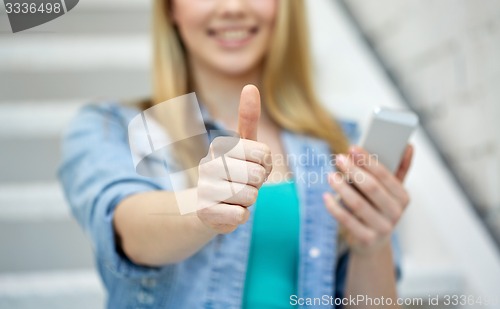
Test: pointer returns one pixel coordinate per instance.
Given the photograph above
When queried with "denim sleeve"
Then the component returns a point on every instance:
(351, 130)
(343, 262)
(96, 173)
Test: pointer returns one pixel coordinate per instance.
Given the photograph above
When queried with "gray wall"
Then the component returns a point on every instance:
(445, 56)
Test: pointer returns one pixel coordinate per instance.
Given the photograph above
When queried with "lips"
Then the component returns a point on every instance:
(234, 36)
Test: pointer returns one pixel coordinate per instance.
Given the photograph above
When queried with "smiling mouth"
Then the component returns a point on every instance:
(233, 34)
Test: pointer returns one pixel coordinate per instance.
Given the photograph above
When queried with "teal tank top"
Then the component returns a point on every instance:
(272, 270)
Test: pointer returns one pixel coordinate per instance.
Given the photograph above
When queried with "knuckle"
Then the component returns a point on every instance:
(208, 167)
(250, 195)
(242, 197)
(338, 216)
(357, 205)
(262, 148)
(265, 149)
(344, 219)
(208, 186)
(379, 171)
(206, 215)
(207, 193)
(261, 170)
(260, 152)
(253, 174)
(386, 228)
(371, 187)
(397, 214)
(226, 228)
(202, 187)
(237, 216)
(368, 238)
(241, 216)
(256, 174)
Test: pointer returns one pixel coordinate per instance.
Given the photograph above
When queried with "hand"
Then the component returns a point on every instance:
(223, 200)
(375, 201)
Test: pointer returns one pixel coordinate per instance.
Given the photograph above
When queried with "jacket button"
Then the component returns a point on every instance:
(314, 252)
(148, 282)
(145, 298)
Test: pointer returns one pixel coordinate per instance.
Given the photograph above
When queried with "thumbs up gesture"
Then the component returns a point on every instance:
(249, 113)
(230, 184)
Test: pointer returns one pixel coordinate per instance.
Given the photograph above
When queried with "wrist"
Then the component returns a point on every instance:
(201, 228)
(373, 253)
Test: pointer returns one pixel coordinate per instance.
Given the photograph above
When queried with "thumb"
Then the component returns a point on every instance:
(249, 112)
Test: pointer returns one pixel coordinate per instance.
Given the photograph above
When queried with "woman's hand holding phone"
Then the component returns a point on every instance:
(243, 172)
(374, 198)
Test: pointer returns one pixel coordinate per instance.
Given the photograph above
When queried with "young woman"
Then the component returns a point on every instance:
(273, 244)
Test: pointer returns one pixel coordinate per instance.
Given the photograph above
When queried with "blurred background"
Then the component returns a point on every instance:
(437, 57)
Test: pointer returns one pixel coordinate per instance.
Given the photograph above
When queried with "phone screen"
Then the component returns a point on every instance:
(388, 135)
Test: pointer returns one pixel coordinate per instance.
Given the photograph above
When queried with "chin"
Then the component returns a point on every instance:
(236, 67)
(236, 71)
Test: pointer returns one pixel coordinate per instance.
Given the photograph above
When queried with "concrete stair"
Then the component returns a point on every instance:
(98, 50)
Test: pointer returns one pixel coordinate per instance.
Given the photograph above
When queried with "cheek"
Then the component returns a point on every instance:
(189, 21)
(265, 10)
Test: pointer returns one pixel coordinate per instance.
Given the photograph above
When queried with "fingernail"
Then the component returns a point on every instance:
(358, 159)
(353, 149)
(325, 197)
(341, 159)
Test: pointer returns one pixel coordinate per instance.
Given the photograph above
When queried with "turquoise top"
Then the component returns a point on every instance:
(272, 270)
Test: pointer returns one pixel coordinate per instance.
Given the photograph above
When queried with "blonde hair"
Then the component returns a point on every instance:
(288, 93)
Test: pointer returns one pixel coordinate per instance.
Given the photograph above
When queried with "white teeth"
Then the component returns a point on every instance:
(234, 35)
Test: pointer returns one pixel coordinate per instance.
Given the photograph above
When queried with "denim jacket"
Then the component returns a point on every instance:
(97, 173)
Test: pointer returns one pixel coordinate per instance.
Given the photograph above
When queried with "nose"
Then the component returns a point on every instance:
(232, 8)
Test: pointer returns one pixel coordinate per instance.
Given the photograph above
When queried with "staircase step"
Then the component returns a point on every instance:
(37, 231)
(29, 134)
(77, 289)
(69, 67)
(29, 159)
(73, 84)
(33, 202)
(41, 119)
(65, 53)
(43, 245)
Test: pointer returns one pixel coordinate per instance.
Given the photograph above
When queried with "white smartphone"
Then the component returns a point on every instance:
(388, 134)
